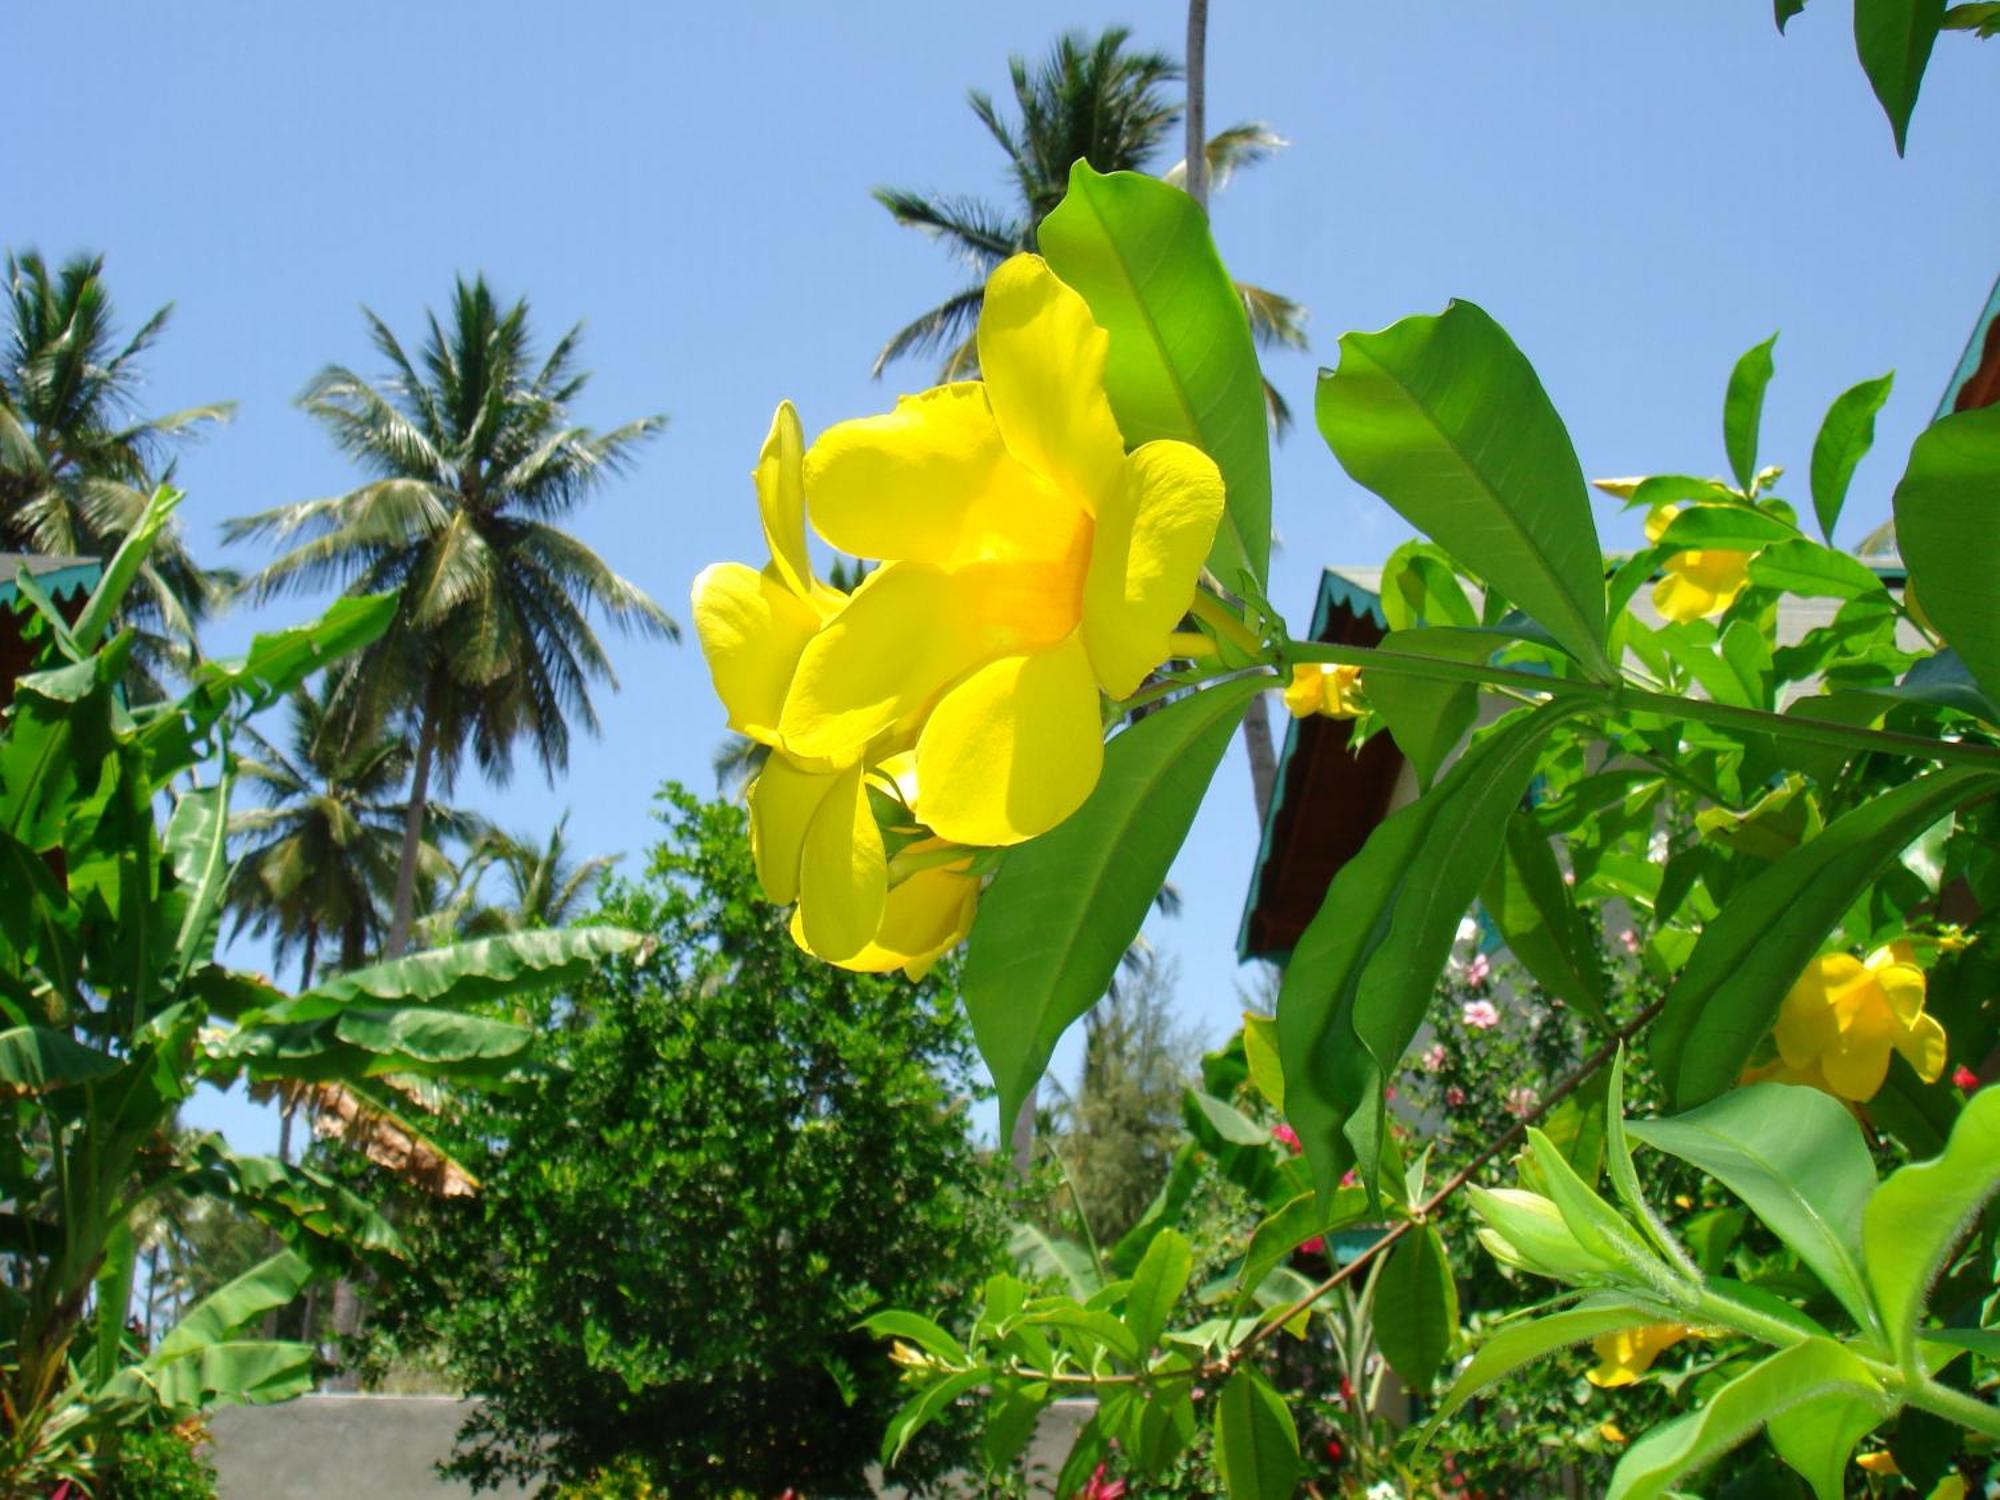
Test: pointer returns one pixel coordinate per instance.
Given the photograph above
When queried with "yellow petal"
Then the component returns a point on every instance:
(1012, 750)
(1042, 358)
(1304, 693)
(783, 800)
(752, 630)
(1902, 987)
(1807, 1022)
(1658, 519)
(1697, 584)
(931, 481)
(925, 917)
(1855, 1072)
(781, 501)
(843, 871)
(1923, 1044)
(907, 632)
(1153, 534)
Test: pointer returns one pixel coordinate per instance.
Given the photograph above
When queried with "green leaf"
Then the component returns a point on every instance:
(922, 1409)
(1728, 994)
(1811, 571)
(1256, 1445)
(1981, 17)
(1845, 436)
(1182, 362)
(1228, 1121)
(1735, 527)
(1984, 1342)
(1813, 1368)
(1416, 1308)
(244, 1372)
(1743, 410)
(1894, 38)
(1183, 1177)
(1420, 588)
(1948, 530)
(1514, 1345)
(37, 1059)
(1011, 1419)
(1625, 1177)
(1797, 1158)
(280, 660)
(1527, 896)
(1047, 1258)
(1786, 9)
(197, 842)
(914, 1328)
(1260, 1050)
(1445, 419)
(432, 1036)
(233, 1306)
(1363, 972)
(104, 602)
(1428, 719)
(1817, 1437)
(473, 973)
(1055, 922)
(1922, 1211)
(1157, 1286)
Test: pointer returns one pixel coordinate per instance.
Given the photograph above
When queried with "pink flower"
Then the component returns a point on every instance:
(1630, 939)
(1454, 1096)
(1314, 1246)
(1521, 1102)
(1480, 1015)
(1287, 1137)
(1101, 1487)
(1963, 1077)
(1350, 1178)
(1433, 1059)
(1478, 971)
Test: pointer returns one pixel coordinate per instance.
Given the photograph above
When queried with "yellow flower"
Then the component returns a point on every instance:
(1320, 687)
(754, 624)
(1628, 1353)
(817, 841)
(1612, 1433)
(1879, 1462)
(1843, 1017)
(1030, 563)
(1698, 583)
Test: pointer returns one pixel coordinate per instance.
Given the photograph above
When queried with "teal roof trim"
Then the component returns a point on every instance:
(59, 583)
(1975, 347)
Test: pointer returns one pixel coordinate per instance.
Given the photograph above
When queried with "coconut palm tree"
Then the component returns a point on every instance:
(546, 884)
(77, 460)
(473, 459)
(1088, 100)
(317, 867)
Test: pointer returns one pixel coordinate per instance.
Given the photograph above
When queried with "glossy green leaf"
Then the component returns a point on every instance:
(1818, 1437)
(1811, 571)
(472, 973)
(1362, 973)
(1011, 1418)
(1058, 917)
(280, 660)
(1445, 419)
(1157, 1285)
(36, 1059)
(924, 1408)
(197, 843)
(1256, 1445)
(914, 1328)
(1655, 1463)
(234, 1305)
(1514, 1345)
(1625, 1176)
(1728, 993)
(243, 1372)
(1948, 531)
(1260, 1051)
(1894, 38)
(1743, 410)
(1532, 904)
(1786, 9)
(423, 1034)
(1923, 1210)
(1416, 1308)
(1733, 527)
(1182, 364)
(1845, 436)
(1428, 719)
(1797, 1158)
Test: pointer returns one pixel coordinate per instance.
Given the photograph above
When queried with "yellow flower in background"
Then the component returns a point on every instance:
(817, 841)
(1320, 687)
(1843, 1017)
(1879, 1462)
(1628, 1353)
(1611, 1432)
(1697, 583)
(753, 624)
(1030, 564)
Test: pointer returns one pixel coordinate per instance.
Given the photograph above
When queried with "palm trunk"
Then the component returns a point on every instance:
(1262, 750)
(404, 911)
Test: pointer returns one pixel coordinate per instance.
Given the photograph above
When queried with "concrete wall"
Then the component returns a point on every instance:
(386, 1448)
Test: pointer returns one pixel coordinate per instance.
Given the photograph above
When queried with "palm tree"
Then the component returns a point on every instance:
(473, 458)
(1088, 100)
(546, 884)
(77, 461)
(318, 863)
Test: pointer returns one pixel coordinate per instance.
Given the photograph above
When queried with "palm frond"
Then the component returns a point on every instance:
(947, 323)
(1229, 152)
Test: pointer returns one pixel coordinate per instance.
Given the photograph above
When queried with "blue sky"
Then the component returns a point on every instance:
(1637, 193)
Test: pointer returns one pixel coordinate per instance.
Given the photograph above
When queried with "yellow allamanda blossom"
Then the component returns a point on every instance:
(1697, 583)
(1626, 1354)
(1030, 565)
(1319, 687)
(1843, 1017)
(813, 831)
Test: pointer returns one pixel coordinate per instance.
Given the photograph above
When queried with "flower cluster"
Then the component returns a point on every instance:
(1844, 1016)
(1320, 687)
(1029, 567)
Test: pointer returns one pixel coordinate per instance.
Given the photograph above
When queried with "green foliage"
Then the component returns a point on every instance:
(739, 1154)
(162, 1463)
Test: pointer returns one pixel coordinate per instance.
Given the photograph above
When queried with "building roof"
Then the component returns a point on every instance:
(60, 577)
(1976, 381)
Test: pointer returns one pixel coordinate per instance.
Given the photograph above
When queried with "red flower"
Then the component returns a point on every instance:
(1334, 1452)
(1314, 1246)
(1964, 1078)
(1101, 1488)
(1287, 1137)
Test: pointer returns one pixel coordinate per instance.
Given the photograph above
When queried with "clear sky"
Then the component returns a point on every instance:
(1637, 192)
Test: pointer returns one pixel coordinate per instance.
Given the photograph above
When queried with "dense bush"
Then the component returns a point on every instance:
(162, 1463)
(737, 1154)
